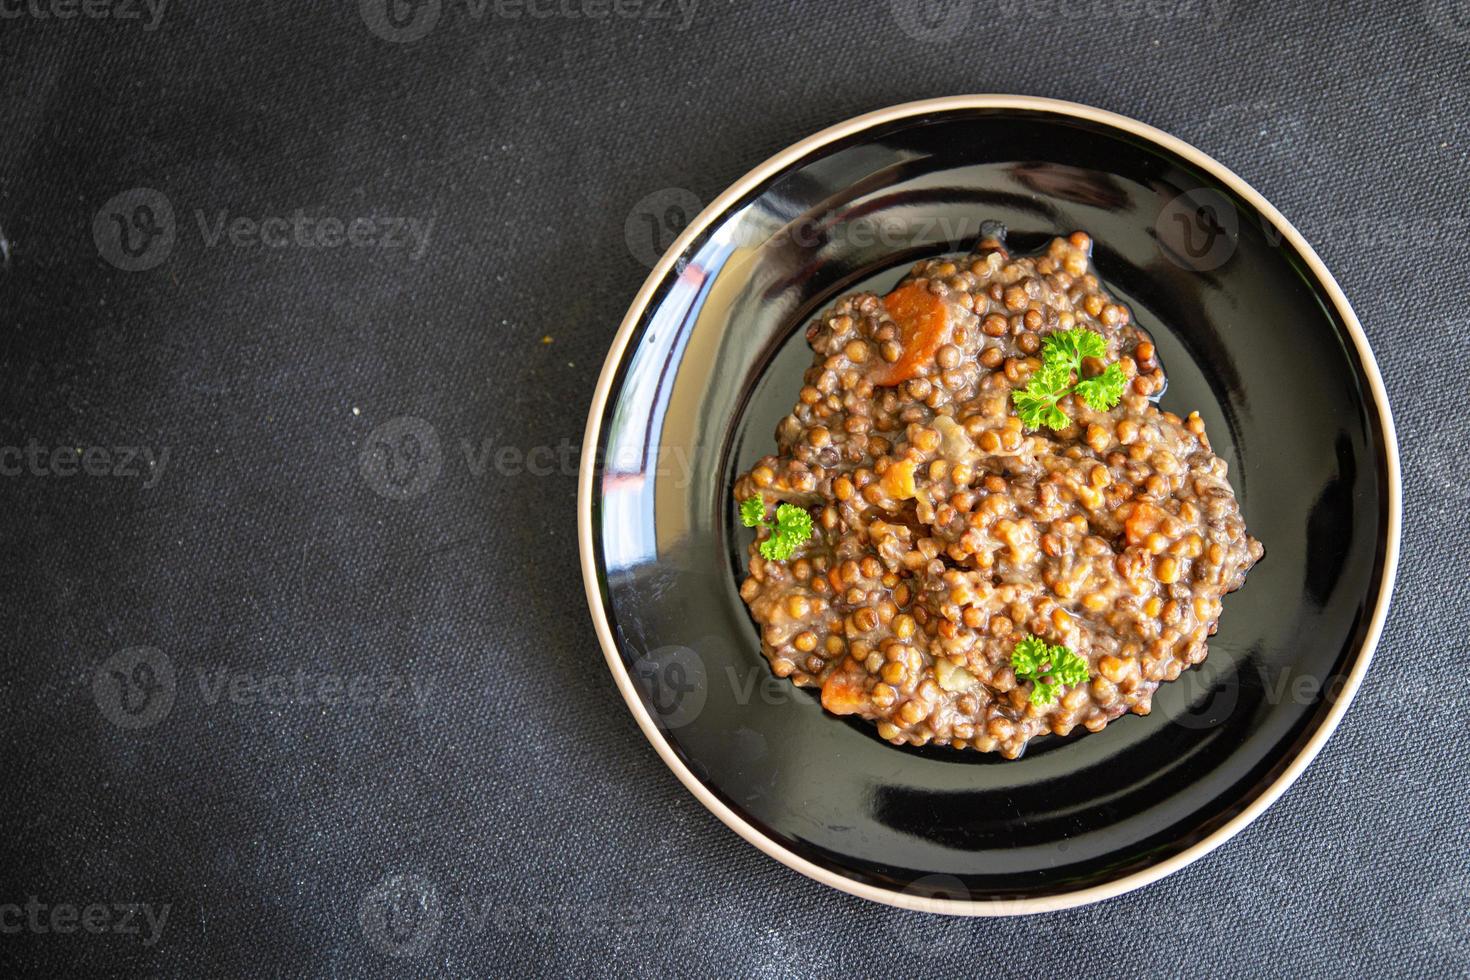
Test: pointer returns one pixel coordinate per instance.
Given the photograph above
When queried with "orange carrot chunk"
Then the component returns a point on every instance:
(842, 691)
(923, 327)
(1143, 520)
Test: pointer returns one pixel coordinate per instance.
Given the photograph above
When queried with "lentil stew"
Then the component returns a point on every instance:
(944, 531)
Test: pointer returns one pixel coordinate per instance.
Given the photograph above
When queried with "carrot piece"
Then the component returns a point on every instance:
(842, 691)
(923, 327)
(898, 480)
(1143, 519)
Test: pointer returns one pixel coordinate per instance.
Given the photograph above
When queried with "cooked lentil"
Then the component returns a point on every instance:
(945, 532)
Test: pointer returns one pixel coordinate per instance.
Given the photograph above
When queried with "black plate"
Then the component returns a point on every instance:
(1253, 333)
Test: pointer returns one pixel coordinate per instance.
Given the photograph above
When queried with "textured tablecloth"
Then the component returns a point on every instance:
(272, 707)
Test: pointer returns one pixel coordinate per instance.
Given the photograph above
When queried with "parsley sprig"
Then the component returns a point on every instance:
(792, 526)
(1049, 668)
(1062, 354)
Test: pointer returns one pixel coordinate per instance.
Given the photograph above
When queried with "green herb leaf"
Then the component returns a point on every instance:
(1029, 656)
(792, 526)
(793, 522)
(1036, 404)
(1043, 693)
(1048, 668)
(1067, 667)
(1036, 408)
(1062, 354)
(777, 548)
(1069, 347)
(1055, 378)
(1103, 391)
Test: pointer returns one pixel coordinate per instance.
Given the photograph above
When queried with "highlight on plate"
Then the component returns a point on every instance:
(977, 527)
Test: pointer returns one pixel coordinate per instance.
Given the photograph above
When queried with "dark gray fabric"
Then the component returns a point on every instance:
(455, 777)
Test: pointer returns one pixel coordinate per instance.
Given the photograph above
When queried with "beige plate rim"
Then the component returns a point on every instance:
(1001, 906)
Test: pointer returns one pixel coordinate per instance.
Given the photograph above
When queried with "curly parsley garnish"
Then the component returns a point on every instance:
(792, 526)
(1062, 354)
(1049, 668)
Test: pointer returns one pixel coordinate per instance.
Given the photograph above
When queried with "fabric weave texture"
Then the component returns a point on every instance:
(301, 309)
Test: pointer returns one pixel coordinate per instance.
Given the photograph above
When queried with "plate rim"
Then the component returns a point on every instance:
(984, 907)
